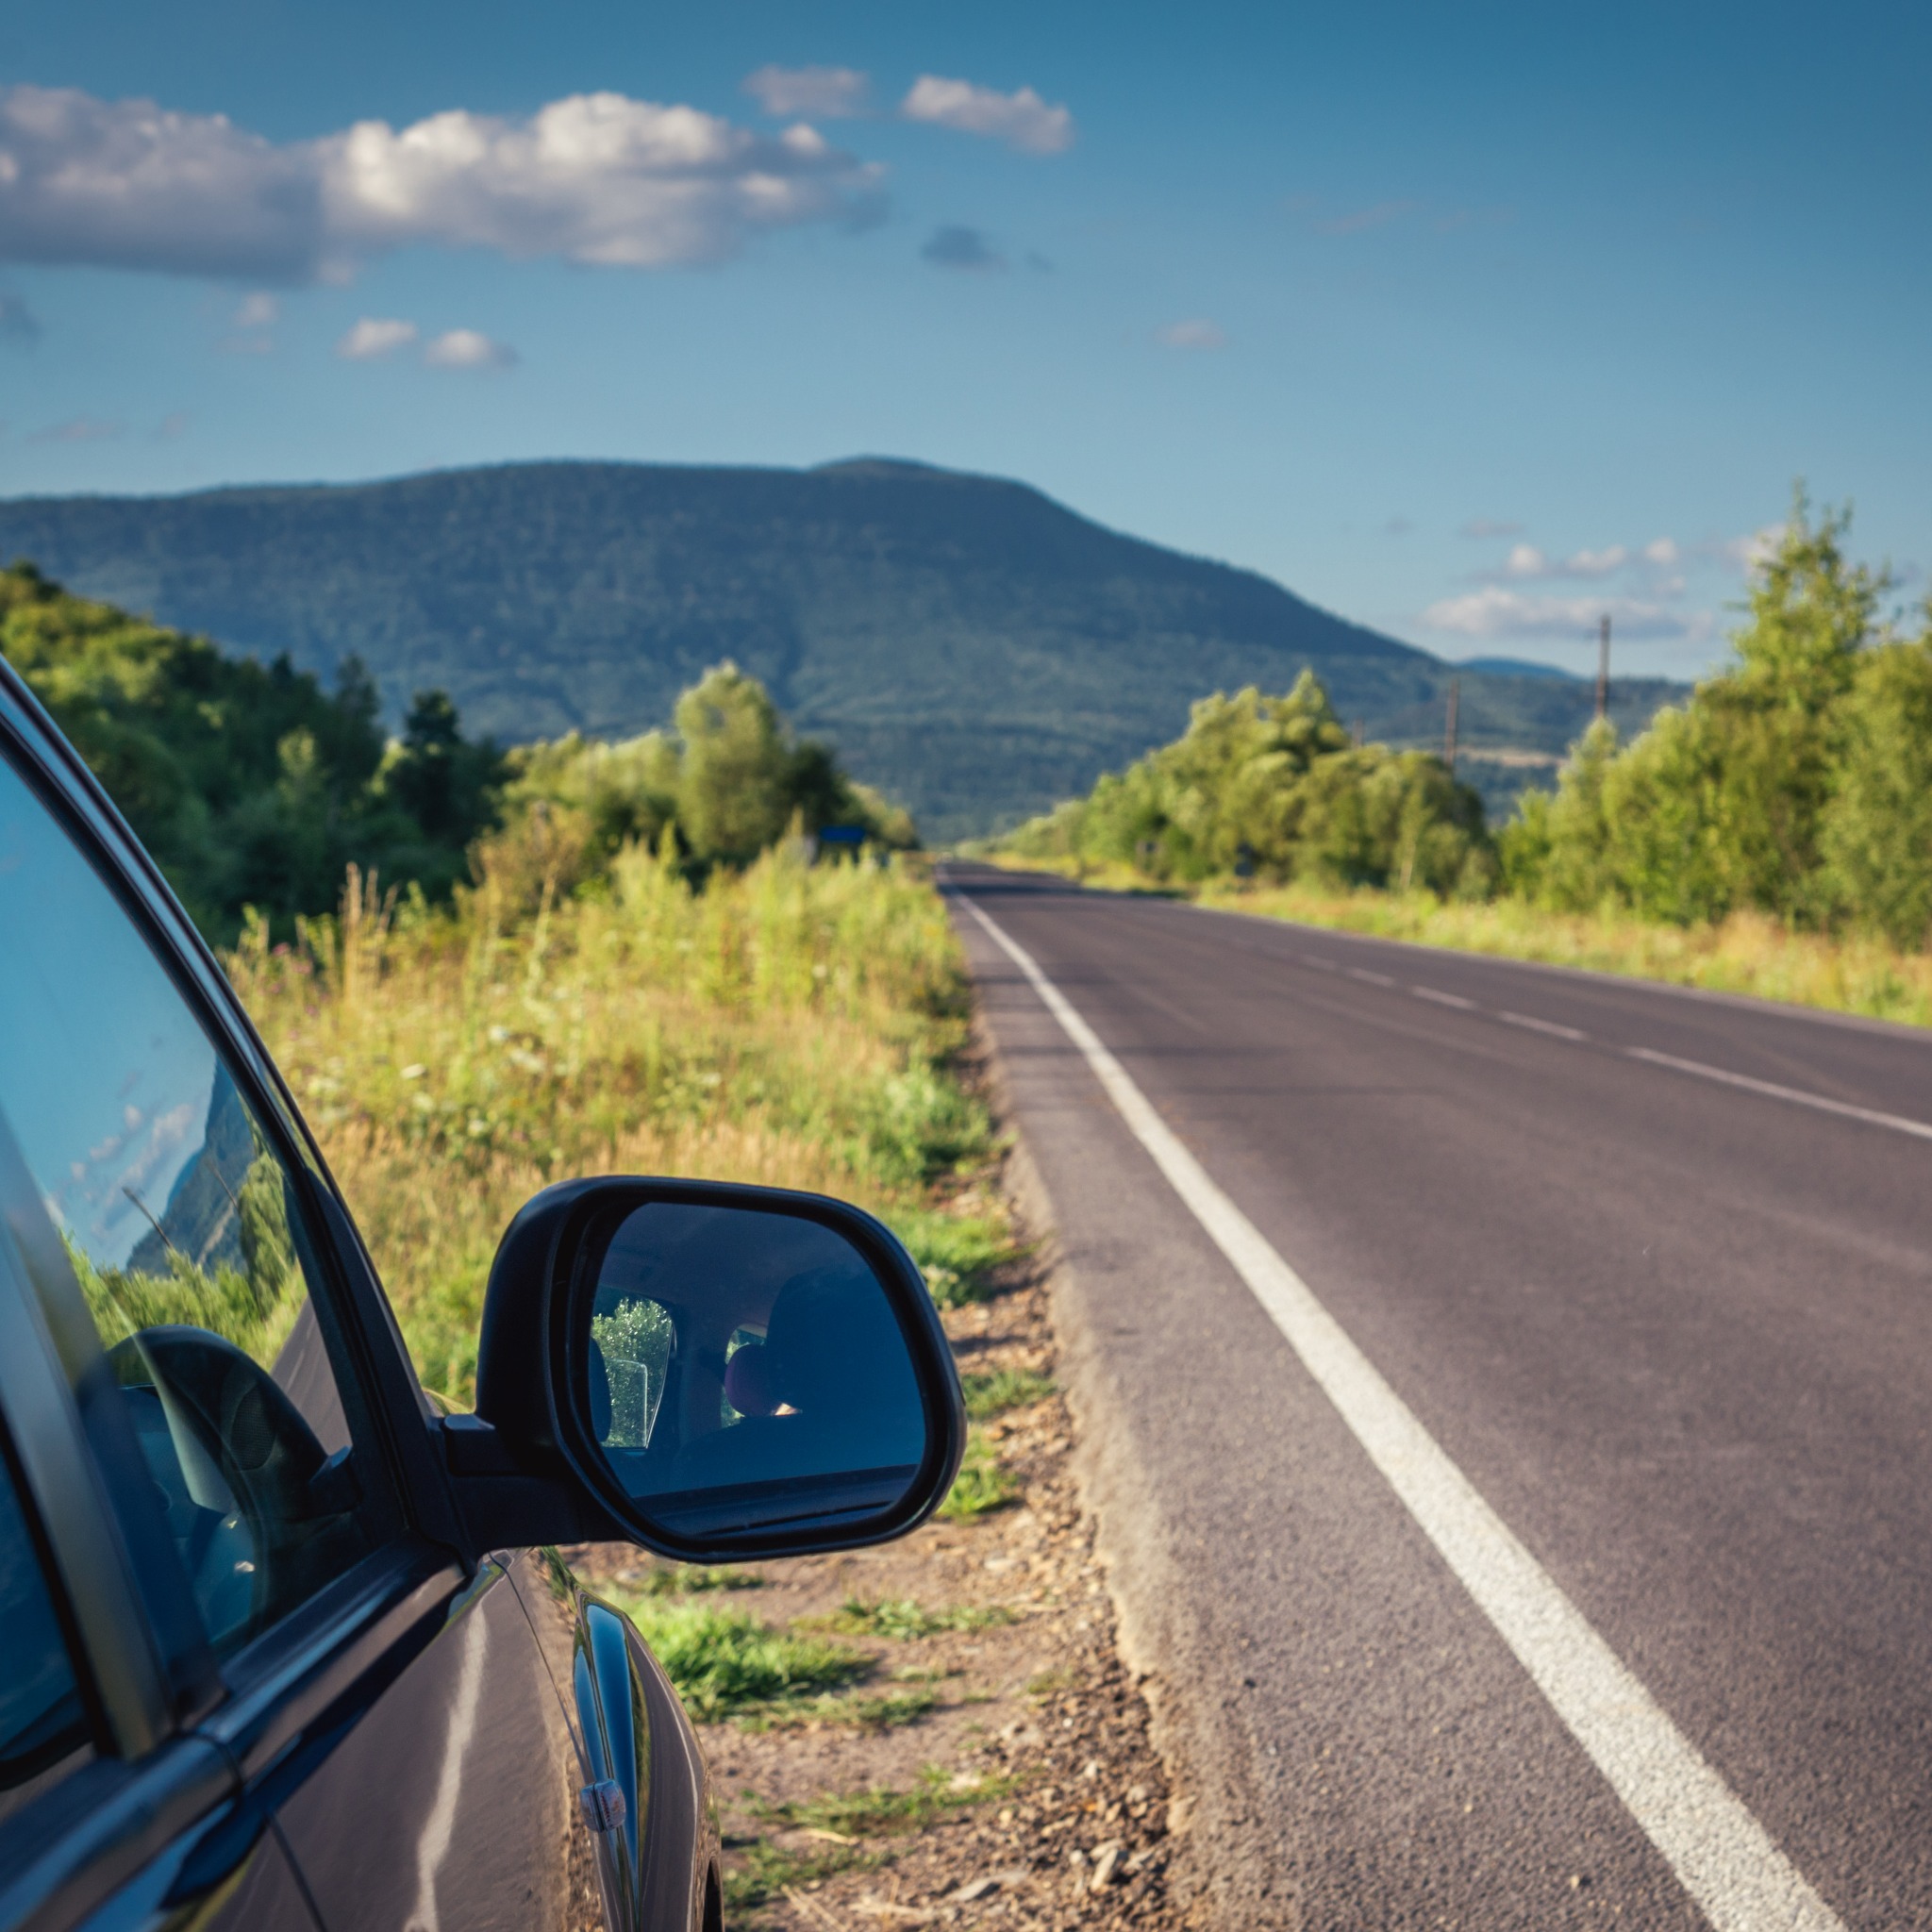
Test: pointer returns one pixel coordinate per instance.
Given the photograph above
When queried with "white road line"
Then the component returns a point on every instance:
(1722, 1855)
(1897, 1122)
(1363, 973)
(1320, 965)
(1543, 1026)
(1443, 999)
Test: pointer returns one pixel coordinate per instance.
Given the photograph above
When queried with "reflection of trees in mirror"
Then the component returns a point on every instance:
(635, 1338)
(253, 1304)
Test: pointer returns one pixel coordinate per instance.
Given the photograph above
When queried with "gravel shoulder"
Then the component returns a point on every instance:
(1028, 1792)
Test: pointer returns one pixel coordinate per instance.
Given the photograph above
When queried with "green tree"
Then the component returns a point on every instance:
(1876, 829)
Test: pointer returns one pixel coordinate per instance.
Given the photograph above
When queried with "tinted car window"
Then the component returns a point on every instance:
(183, 1232)
(43, 1731)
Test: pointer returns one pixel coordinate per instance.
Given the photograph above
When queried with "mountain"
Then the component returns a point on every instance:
(972, 647)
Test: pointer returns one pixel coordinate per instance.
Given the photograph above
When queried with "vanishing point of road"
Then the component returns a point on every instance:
(1508, 1394)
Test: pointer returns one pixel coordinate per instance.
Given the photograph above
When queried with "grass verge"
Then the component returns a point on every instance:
(1748, 953)
(902, 1620)
(982, 1484)
(993, 1392)
(725, 1662)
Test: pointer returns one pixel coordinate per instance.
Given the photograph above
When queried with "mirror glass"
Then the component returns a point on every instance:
(747, 1373)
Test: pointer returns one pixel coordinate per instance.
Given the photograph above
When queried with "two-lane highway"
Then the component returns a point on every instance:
(1511, 1393)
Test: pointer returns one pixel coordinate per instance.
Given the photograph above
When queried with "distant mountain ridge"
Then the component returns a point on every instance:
(972, 647)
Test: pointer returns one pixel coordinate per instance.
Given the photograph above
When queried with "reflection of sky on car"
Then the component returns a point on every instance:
(105, 1079)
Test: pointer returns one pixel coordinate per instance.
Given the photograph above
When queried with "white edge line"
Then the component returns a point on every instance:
(1719, 1853)
(1897, 1122)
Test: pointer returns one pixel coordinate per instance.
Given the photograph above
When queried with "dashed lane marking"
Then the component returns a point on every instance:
(1897, 1122)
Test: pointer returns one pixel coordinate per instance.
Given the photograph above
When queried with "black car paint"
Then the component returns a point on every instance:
(244, 1814)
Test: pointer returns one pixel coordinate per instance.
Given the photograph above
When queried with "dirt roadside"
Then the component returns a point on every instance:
(995, 1766)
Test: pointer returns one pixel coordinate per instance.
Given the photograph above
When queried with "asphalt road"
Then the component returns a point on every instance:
(1676, 1330)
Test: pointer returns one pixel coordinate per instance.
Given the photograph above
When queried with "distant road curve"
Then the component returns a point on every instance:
(1514, 1392)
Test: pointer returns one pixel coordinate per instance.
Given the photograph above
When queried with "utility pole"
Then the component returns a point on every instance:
(1602, 668)
(1449, 733)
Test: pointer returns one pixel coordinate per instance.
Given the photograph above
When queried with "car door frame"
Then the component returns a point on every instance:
(176, 1735)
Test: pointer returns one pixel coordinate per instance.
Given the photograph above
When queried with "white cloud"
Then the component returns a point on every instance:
(1496, 613)
(259, 311)
(374, 337)
(1527, 561)
(1663, 552)
(594, 178)
(1021, 119)
(466, 348)
(1746, 553)
(1195, 333)
(832, 94)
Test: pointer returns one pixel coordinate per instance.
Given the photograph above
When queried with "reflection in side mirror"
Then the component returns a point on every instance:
(747, 1374)
(726, 1371)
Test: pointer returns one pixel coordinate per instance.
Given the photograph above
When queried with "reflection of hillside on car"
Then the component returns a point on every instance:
(285, 1644)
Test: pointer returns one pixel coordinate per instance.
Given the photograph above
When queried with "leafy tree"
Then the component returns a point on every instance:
(1763, 791)
(249, 783)
(732, 798)
(1875, 833)
(1272, 785)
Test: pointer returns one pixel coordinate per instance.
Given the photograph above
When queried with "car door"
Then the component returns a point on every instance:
(296, 1698)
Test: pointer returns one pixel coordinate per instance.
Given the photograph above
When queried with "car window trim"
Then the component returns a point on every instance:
(383, 1390)
(345, 1644)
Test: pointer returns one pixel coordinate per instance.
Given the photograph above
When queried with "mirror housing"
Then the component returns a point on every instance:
(537, 1451)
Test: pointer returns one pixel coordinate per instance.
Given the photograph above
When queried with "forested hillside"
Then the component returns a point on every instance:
(971, 648)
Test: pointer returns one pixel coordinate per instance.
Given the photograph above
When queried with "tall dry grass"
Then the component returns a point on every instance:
(1748, 953)
(792, 1025)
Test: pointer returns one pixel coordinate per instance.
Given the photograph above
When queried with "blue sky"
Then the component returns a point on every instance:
(1467, 322)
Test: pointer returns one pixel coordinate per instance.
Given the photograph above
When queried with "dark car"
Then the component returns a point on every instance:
(283, 1643)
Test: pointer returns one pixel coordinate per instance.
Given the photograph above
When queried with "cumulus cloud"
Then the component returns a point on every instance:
(1021, 119)
(832, 94)
(599, 180)
(467, 348)
(1496, 613)
(375, 337)
(259, 311)
(955, 246)
(1197, 332)
(19, 325)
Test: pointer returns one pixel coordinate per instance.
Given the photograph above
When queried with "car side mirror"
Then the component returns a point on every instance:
(729, 1371)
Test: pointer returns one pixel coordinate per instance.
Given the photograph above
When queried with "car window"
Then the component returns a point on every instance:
(44, 1732)
(183, 1231)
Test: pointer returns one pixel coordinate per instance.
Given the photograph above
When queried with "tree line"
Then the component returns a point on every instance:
(253, 785)
(1797, 781)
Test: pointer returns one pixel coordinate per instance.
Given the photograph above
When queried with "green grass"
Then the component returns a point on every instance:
(901, 1619)
(993, 1393)
(860, 1710)
(880, 1812)
(725, 1662)
(687, 1579)
(958, 1254)
(981, 1486)
(758, 1872)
